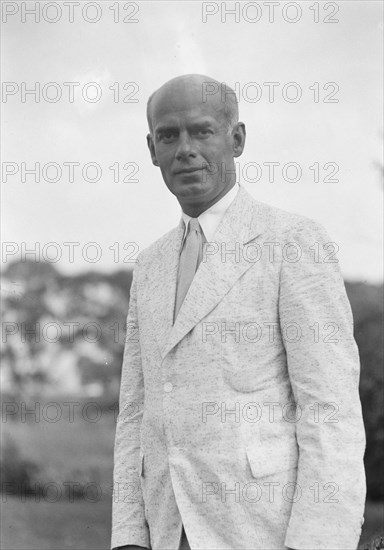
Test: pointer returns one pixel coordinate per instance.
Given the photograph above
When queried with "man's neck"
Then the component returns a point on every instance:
(195, 210)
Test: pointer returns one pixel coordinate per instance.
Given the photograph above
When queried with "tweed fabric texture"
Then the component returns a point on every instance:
(242, 420)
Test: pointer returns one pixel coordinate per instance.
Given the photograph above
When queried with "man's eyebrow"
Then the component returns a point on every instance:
(168, 128)
(193, 125)
(201, 124)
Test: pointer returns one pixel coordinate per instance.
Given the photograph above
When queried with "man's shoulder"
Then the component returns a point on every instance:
(273, 220)
(279, 222)
(148, 253)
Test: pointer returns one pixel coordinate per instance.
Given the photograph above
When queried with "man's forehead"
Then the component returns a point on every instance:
(198, 114)
(164, 103)
(192, 95)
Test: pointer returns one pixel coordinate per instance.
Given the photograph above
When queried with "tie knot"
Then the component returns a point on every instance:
(194, 225)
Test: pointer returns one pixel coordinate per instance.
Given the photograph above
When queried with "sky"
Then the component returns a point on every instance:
(323, 125)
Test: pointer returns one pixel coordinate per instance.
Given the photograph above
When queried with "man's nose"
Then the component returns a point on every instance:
(185, 148)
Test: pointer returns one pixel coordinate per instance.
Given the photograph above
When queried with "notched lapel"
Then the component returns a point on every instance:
(161, 280)
(219, 272)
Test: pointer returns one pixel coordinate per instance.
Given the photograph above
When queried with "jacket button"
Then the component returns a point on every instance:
(168, 387)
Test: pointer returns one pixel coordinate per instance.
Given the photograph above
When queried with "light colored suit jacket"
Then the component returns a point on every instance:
(241, 420)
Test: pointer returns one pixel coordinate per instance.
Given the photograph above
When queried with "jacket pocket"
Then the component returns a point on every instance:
(271, 458)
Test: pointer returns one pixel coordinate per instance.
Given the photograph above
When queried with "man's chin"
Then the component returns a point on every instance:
(190, 184)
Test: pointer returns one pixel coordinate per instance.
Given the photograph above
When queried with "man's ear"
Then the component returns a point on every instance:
(238, 138)
(151, 148)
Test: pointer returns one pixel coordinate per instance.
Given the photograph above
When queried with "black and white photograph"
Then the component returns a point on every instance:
(192, 275)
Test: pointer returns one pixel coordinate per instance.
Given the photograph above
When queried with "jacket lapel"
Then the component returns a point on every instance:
(162, 278)
(218, 271)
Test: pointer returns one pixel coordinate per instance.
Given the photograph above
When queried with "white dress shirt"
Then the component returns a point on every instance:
(210, 219)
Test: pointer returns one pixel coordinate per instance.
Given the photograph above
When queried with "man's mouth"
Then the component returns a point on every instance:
(189, 170)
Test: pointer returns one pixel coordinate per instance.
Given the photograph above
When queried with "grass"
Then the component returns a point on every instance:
(80, 451)
(82, 525)
(55, 526)
(373, 528)
(65, 451)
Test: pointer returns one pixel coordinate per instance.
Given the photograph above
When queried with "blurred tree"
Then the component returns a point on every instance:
(367, 306)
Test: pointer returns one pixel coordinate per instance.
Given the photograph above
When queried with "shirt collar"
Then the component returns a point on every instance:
(210, 219)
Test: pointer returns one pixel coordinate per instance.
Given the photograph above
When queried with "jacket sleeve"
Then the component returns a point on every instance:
(129, 526)
(323, 366)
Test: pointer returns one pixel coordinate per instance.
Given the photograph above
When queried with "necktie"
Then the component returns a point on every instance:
(190, 259)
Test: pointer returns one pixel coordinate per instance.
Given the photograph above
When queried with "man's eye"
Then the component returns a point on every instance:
(203, 133)
(167, 137)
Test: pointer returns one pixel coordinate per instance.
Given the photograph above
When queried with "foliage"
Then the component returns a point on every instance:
(38, 294)
(367, 306)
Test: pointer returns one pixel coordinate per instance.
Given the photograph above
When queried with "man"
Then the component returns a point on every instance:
(240, 423)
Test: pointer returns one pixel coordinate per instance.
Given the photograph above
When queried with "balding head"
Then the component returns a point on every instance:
(195, 136)
(196, 89)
